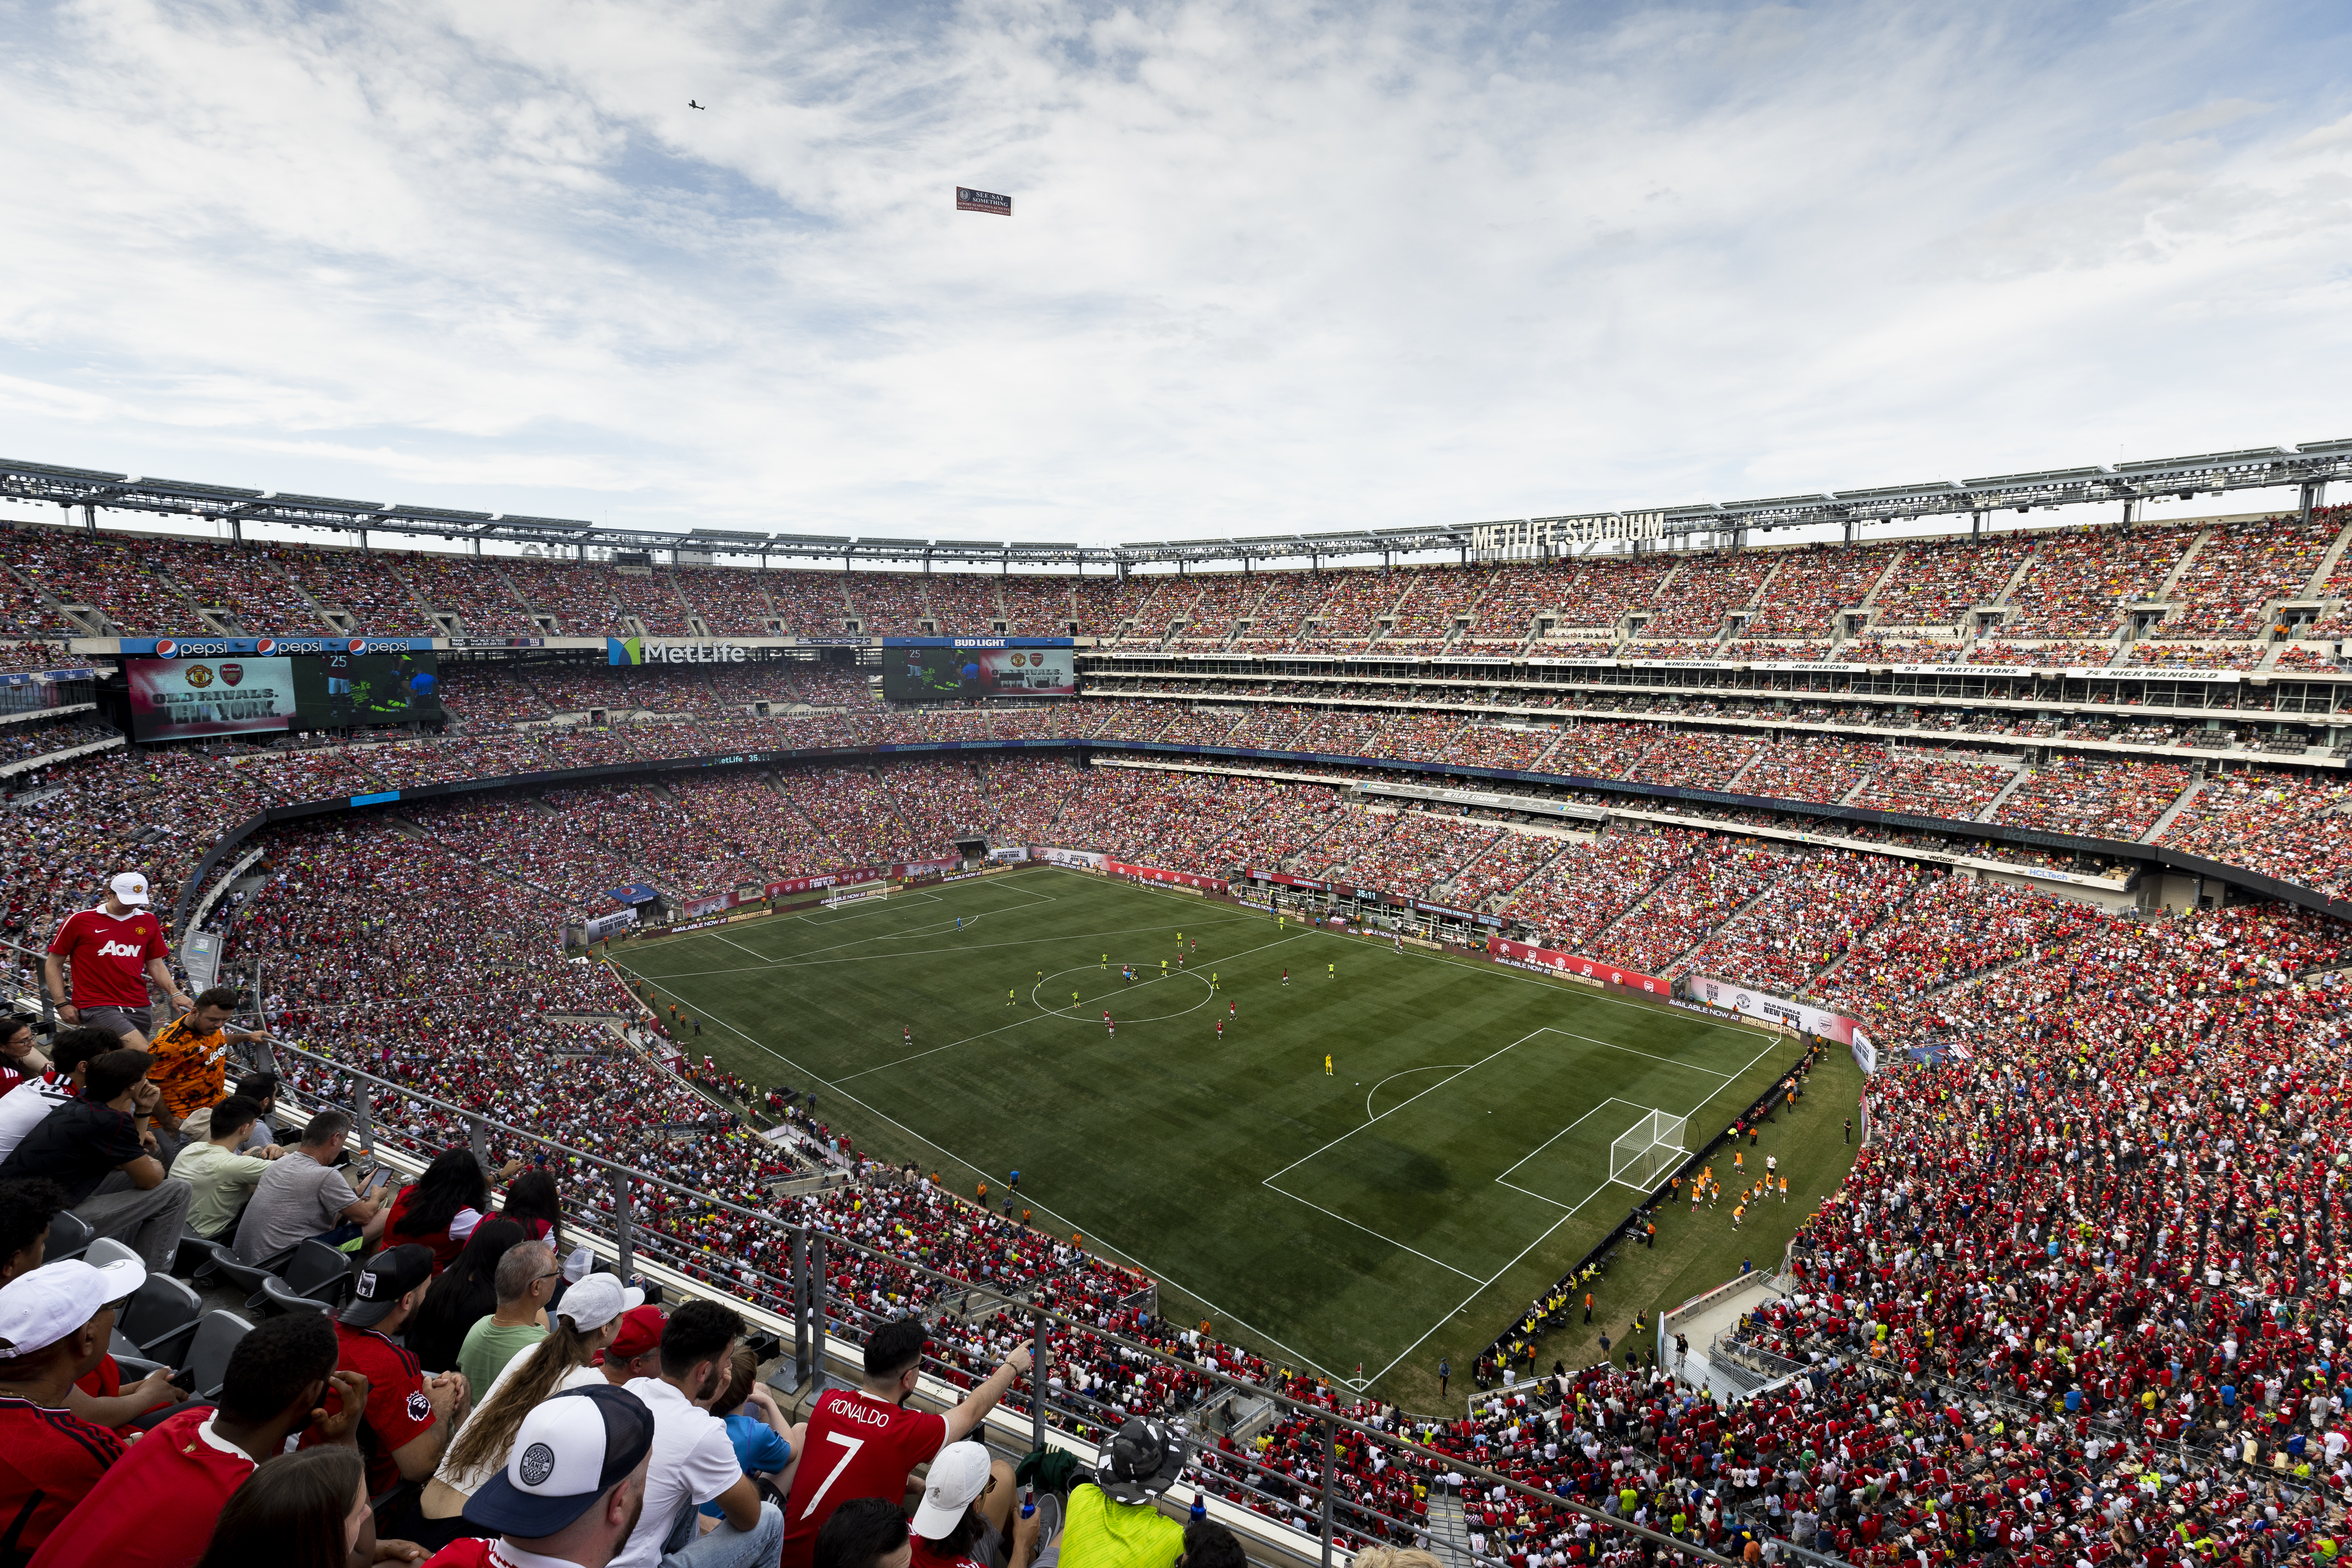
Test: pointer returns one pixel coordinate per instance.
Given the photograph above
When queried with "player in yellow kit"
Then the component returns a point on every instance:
(1326, 1064)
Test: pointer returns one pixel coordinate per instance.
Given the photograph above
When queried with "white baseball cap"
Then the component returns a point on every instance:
(596, 1300)
(129, 886)
(958, 1477)
(39, 1309)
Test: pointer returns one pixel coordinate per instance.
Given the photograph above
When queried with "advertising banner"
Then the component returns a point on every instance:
(1155, 874)
(711, 904)
(175, 699)
(1008, 854)
(1796, 1016)
(1551, 960)
(652, 650)
(632, 894)
(209, 646)
(932, 672)
(1084, 860)
(604, 926)
(791, 885)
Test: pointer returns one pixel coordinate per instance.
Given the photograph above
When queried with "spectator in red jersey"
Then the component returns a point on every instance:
(98, 1396)
(408, 1416)
(862, 1442)
(967, 1501)
(54, 1325)
(440, 1209)
(186, 1468)
(19, 1062)
(113, 950)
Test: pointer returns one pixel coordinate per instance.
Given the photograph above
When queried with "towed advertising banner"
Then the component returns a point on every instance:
(175, 700)
(1551, 960)
(1754, 1003)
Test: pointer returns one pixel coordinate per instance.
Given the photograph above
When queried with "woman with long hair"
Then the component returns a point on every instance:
(577, 1331)
(441, 1207)
(532, 1200)
(301, 1510)
(464, 1293)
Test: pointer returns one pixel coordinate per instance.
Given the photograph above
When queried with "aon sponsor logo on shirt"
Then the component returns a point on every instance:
(120, 950)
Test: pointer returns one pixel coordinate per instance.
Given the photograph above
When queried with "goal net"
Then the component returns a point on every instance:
(1643, 1154)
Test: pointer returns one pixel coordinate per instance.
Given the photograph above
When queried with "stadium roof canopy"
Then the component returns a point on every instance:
(2311, 466)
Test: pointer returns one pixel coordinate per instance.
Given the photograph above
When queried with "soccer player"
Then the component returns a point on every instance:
(1073, 1000)
(911, 1035)
(1106, 961)
(1008, 996)
(1331, 972)
(1221, 1028)
(1285, 977)
(1326, 1064)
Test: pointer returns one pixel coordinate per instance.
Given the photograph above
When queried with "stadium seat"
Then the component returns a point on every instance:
(105, 1249)
(319, 1272)
(217, 1335)
(70, 1237)
(162, 1316)
(278, 1296)
(239, 1276)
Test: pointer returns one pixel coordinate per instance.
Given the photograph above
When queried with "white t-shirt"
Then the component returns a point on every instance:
(693, 1462)
(25, 1107)
(471, 1481)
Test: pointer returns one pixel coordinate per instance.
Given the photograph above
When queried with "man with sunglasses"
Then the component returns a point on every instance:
(524, 1281)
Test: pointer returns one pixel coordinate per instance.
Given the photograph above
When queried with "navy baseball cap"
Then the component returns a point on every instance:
(569, 1451)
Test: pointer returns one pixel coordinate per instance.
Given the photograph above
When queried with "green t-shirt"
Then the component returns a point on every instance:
(489, 1345)
(222, 1181)
(1101, 1532)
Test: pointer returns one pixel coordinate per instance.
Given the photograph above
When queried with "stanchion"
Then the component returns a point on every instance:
(1037, 1383)
(1329, 1458)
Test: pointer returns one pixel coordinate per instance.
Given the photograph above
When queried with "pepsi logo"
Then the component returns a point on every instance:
(265, 645)
(356, 645)
(165, 647)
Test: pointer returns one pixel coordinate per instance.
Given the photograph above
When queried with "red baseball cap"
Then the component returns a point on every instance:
(641, 1330)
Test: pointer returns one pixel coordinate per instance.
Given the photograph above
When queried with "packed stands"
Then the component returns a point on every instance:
(888, 603)
(2079, 583)
(2241, 568)
(2096, 797)
(1812, 585)
(471, 588)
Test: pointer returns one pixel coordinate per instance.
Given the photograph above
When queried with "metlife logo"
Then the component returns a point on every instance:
(645, 650)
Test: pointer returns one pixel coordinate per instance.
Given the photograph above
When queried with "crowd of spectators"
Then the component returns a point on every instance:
(2096, 797)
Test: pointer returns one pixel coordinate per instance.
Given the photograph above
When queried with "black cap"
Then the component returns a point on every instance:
(389, 1275)
(567, 1452)
(1142, 1461)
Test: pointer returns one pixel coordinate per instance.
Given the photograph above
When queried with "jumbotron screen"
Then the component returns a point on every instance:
(939, 674)
(181, 699)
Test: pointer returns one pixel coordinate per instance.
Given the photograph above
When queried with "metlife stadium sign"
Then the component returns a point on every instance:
(1531, 535)
(652, 650)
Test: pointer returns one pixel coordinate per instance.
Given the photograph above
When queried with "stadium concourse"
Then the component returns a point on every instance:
(2084, 1297)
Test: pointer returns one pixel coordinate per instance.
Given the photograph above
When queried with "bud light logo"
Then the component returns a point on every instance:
(165, 647)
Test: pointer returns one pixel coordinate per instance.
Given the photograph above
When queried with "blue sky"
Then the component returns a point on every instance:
(1276, 267)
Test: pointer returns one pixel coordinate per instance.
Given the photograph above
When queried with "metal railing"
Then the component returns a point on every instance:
(815, 1312)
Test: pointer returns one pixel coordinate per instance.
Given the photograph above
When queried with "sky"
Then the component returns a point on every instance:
(1275, 267)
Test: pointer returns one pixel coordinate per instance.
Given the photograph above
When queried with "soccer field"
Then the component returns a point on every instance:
(1407, 1205)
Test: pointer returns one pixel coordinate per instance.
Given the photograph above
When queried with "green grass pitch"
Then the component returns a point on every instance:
(1405, 1205)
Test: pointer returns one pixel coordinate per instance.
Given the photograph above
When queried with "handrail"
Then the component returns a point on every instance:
(809, 1241)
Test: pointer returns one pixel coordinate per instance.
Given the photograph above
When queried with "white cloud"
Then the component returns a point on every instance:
(1276, 267)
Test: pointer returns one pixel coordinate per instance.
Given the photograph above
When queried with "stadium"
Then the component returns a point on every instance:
(1576, 1040)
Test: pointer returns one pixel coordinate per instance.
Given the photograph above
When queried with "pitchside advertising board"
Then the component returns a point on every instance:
(945, 669)
(1754, 1003)
(182, 688)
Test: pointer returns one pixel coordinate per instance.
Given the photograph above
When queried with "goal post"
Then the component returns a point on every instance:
(1646, 1152)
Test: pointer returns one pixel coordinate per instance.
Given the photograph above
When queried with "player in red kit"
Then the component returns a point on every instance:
(862, 1442)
